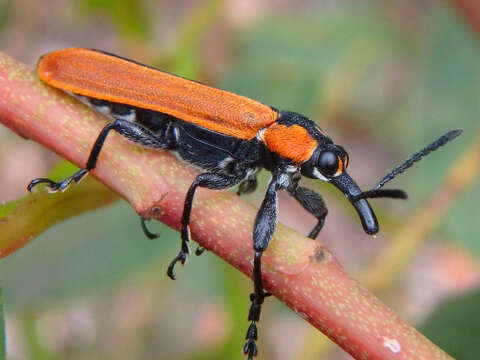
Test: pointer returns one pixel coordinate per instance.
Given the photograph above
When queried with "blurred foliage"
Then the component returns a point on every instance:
(301, 53)
(4, 13)
(184, 60)
(130, 17)
(352, 69)
(455, 325)
(446, 97)
(3, 350)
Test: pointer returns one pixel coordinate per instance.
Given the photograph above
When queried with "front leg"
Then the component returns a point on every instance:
(313, 203)
(215, 181)
(264, 228)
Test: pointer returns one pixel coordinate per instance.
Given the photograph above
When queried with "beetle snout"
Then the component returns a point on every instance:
(350, 189)
(367, 216)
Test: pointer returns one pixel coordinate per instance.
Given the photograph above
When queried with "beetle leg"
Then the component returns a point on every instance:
(248, 185)
(214, 181)
(145, 230)
(130, 130)
(265, 224)
(314, 204)
(199, 251)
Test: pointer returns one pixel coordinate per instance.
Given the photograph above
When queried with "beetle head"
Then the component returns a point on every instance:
(329, 163)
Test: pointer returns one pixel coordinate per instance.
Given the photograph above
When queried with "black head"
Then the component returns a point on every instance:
(329, 161)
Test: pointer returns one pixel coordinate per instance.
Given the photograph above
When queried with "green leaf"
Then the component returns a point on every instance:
(22, 220)
(60, 171)
(9, 207)
(455, 325)
(97, 249)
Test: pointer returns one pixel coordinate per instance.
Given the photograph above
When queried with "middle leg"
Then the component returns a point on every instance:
(214, 181)
(248, 185)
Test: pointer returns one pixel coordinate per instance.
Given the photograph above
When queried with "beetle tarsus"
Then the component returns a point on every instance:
(148, 233)
(257, 298)
(63, 185)
(182, 257)
(39, 181)
(199, 251)
(250, 349)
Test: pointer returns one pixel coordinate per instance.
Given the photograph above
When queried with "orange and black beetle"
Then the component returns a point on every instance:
(230, 137)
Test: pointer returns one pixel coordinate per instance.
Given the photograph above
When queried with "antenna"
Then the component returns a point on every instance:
(377, 192)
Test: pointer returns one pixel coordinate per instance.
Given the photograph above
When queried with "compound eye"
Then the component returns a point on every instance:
(328, 163)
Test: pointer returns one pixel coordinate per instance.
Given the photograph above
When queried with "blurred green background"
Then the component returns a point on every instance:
(383, 78)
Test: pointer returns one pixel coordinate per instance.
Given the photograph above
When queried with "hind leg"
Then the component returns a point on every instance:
(130, 130)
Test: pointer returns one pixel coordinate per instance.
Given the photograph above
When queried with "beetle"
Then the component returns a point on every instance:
(228, 136)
